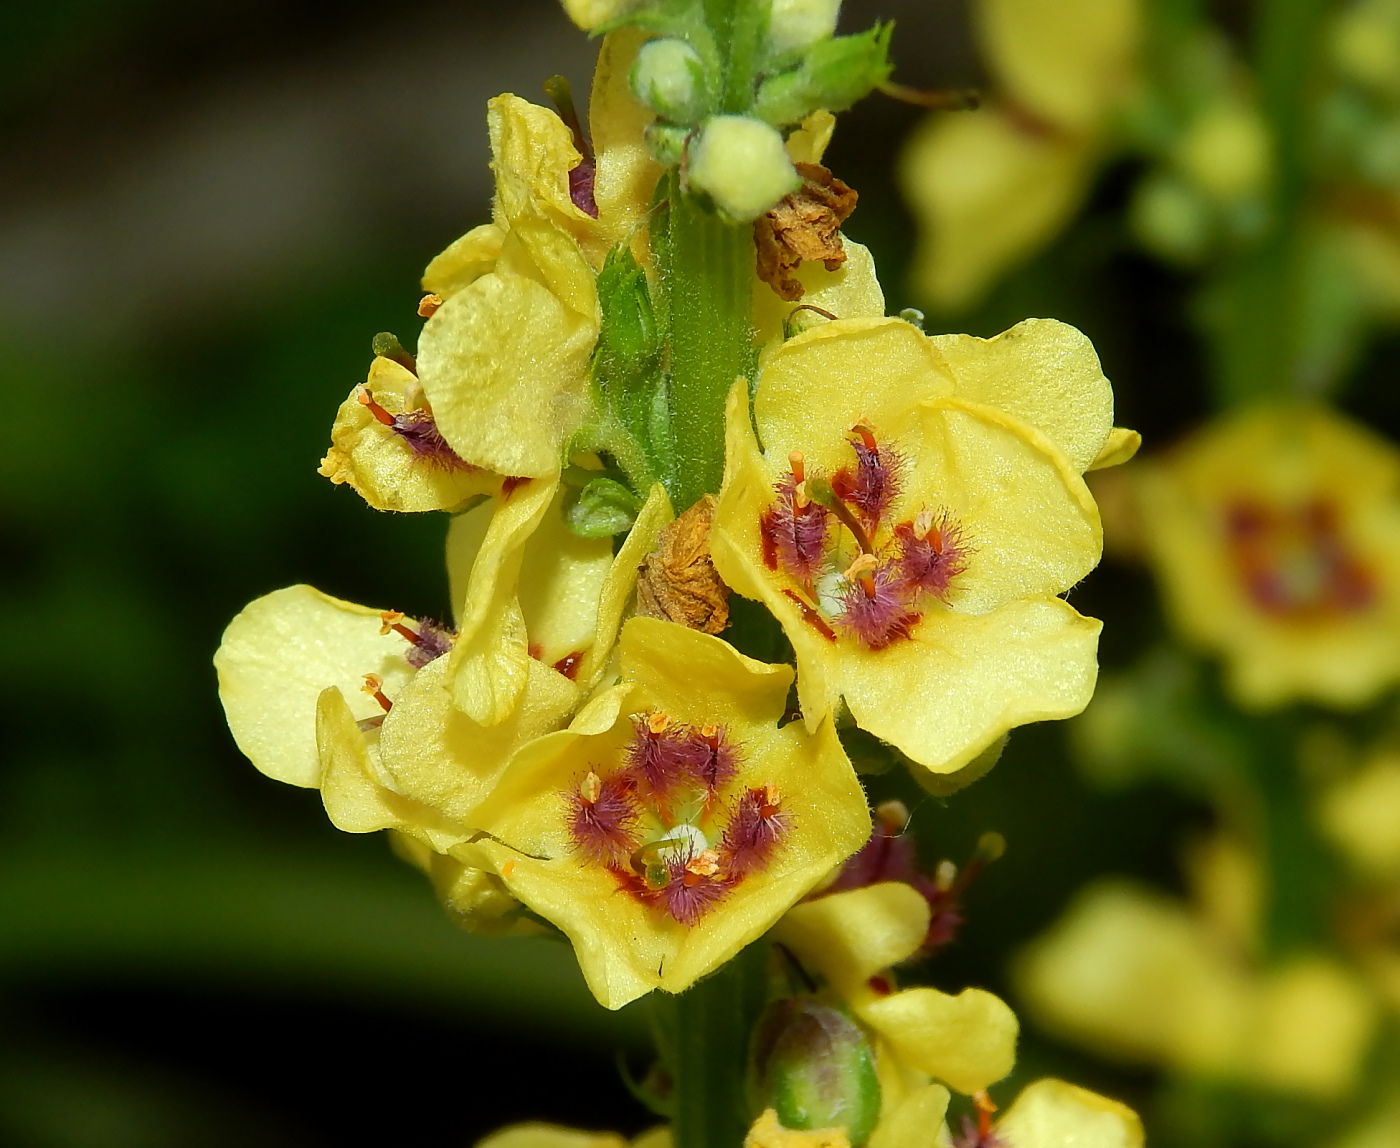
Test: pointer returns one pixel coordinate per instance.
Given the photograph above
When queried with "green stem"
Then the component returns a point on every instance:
(707, 1030)
(709, 288)
(1257, 298)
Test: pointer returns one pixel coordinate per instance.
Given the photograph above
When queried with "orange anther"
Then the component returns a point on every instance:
(590, 788)
(658, 723)
(923, 523)
(893, 816)
(866, 431)
(387, 620)
(772, 799)
(366, 400)
(985, 1108)
(704, 863)
(799, 467)
(799, 496)
(374, 686)
(428, 304)
(709, 732)
(508, 868)
(945, 876)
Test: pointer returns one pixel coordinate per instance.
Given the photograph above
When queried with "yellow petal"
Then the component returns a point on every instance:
(809, 142)
(435, 754)
(850, 292)
(1042, 371)
(909, 1123)
(849, 937)
(987, 193)
(532, 154)
(626, 173)
(279, 654)
(1031, 522)
(1361, 816)
(561, 581)
(767, 1132)
(490, 658)
(539, 1135)
(967, 1041)
(1121, 447)
(659, 1137)
(504, 366)
(1067, 62)
(1313, 1028)
(381, 466)
(1132, 973)
(975, 677)
(476, 900)
(625, 948)
(619, 587)
(464, 261)
(1053, 1114)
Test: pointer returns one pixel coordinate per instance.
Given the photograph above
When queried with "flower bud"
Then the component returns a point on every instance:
(814, 1066)
(590, 14)
(795, 24)
(742, 165)
(669, 78)
(1227, 151)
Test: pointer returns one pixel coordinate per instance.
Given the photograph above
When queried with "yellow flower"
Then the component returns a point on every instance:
(990, 186)
(503, 360)
(967, 1041)
(540, 1135)
(1275, 533)
(913, 514)
(1137, 975)
(673, 821)
(1361, 816)
(386, 446)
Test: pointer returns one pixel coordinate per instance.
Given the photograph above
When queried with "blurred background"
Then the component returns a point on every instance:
(207, 210)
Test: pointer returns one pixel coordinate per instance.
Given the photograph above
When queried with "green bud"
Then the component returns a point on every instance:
(834, 74)
(666, 141)
(669, 78)
(604, 507)
(742, 165)
(814, 1066)
(797, 24)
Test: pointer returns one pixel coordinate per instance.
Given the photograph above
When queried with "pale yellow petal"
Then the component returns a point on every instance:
(911, 1123)
(1043, 371)
(964, 680)
(987, 193)
(819, 383)
(532, 153)
(490, 657)
(1053, 1114)
(619, 587)
(809, 142)
(659, 1137)
(1132, 973)
(379, 465)
(1068, 62)
(278, 655)
(1022, 508)
(464, 261)
(561, 580)
(435, 754)
(355, 800)
(1312, 1030)
(1361, 816)
(504, 366)
(539, 1135)
(850, 292)
(849, 937)
(1122, 445)
(967, 1041)
(476, 900)
(767, 1132)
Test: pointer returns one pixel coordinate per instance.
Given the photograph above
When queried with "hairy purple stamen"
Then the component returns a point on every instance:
(602, 819)
(689, 896)
(433, 640)
(876, 481)
(929, 562)
(753, 833)
(581, 188)
(795, 528)
(420, 431)
(876, 608)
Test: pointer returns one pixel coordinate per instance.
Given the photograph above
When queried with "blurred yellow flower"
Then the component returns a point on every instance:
(673, 821)
(1360, 814)
(1134, 974)
(1275, 533)
(539, 1135)
(990, 186)
(913, 513)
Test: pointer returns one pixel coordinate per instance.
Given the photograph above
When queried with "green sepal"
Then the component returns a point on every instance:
(834, 74)
(605, 507)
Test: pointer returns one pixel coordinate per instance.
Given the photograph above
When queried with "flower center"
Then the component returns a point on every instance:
(418, 429)
(1294, 562)
(874, 587)
(670, 821)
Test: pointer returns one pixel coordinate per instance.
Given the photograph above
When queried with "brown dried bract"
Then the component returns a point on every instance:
(677, 581)
(804, 227)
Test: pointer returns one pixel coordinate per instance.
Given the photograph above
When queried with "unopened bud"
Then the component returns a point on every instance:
(797, 24)
(742, 165)
(669, 78)
(814, 1066)
(590, 14)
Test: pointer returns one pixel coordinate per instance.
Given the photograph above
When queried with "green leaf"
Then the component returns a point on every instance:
(604, 507)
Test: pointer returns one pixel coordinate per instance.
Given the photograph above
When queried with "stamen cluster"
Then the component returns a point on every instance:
(889, 569)
(419, 430)
(425, 644)
(1294, 562)
(669, 821)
